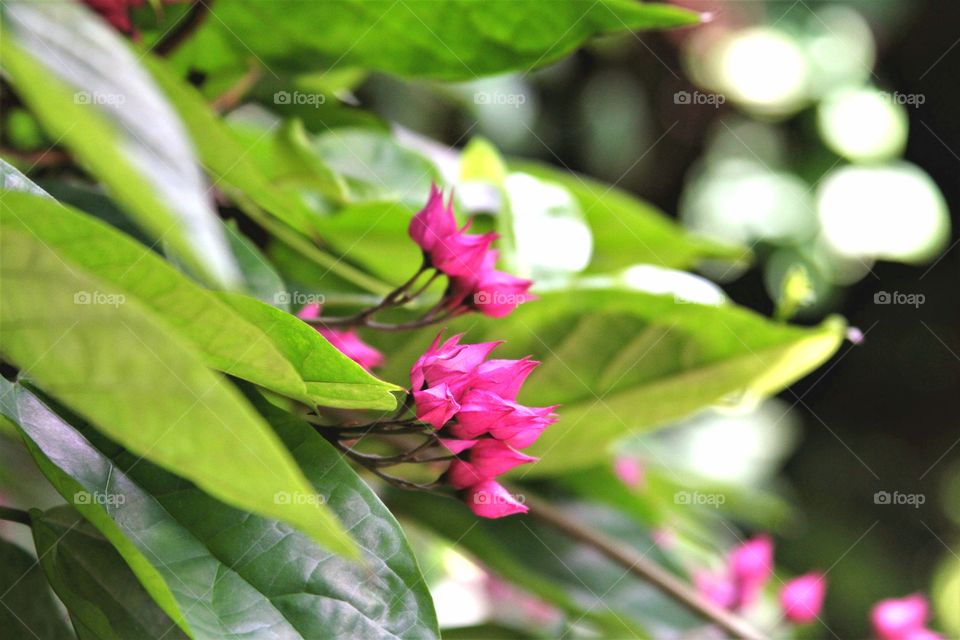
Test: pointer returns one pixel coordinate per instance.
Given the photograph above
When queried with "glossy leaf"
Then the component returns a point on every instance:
(256, 350)
(231, 574)
(102, 595)
(27, 607)
(447, 39)
(83, 83)
(110, 359)
(628, 231)
(621, 362)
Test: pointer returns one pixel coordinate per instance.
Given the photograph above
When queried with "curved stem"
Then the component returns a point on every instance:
(643, 568)
(183, 29)
(15, 515)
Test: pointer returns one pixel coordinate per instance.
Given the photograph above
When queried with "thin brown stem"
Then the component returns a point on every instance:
(176, 36)
(230, 98)
(15, 515)
(643, 568)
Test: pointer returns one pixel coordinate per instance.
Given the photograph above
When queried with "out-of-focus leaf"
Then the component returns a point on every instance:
(28, 609)
(117, 364)
(87, 89)
(229, 573)
(446, 39)
(252, 351)
(571, 576)
(628, 231)
(260, 279)
(12, 180)
(102, 595)
(621, 362)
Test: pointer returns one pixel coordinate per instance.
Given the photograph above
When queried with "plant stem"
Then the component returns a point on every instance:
(15, 515)
(636, 564)
(183, 29)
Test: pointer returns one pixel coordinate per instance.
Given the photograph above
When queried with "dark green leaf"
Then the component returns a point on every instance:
(27, 607)
(229, 573)
(104, 598)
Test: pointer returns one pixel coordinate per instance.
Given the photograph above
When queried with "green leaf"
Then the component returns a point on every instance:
(260, 279)
(256, 349)
(590, 589)
(445, 39)
(229, 573)
(83, 83)
(102, 595)
(27, 608)
(621, 362)
(111, 360)
(628, 231)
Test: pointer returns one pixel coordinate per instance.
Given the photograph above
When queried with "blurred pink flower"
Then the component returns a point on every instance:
(346, 341)
(488, 499)
(802, 597)
(629, 470)
(900, 618)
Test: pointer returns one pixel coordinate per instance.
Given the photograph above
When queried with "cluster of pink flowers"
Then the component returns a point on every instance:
(748, 569)
(347, 341)
(467, 260)
(473, 400)
(902, 619)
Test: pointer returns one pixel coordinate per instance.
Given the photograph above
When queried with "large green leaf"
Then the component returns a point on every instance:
(628, 231)
(112, 360)
(27, 608)
(578, 580)
(231, 574)
(86, 88)
(103, 596)
(270, 348)
(621, 362)
(448, 39)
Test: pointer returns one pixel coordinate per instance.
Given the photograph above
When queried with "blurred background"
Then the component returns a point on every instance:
(825, 136)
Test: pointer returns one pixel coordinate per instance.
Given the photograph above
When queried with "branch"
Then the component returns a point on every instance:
(14, 515)
(636, 564)
(183, 29)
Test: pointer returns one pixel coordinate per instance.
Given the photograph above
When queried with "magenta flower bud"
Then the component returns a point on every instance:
(895, 619)
(922, 634)
(523, 425)
(449, 362)
(346, 341)
(461, 254)
(629, 471)
(480, 411)
(435, 405)
(433, 223)
(497, 293)
(488, 499)
(503, 377)
(751, 565)
(802, 598)
(486, 460)
(456, 446)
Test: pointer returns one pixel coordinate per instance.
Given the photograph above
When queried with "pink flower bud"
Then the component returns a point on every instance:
(497, 293)
(629, 471)
(456, 446)
(751, 565)
(922, 634)
(802, 598)
(488, 499)
(480, 411)
(486, 460)
(462, 254)
(895, 619)
(503, 377)
(346, 341)
(524, 425)
(449, 362)
(435, 405)
(433, 223)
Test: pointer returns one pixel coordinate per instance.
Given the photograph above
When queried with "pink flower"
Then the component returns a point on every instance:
(802, 598)
(434, 222)
(435, 405)
(488, 499)
(896, 619)
(456, 446)
(486, 460)
(524, 425)
(922, 634)
(483, 411)
(491, 292)
(629, 471)
(461, 254)
(751, 565)
(346, 341)
(717, 588)
(503, 377)
(449, 362)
